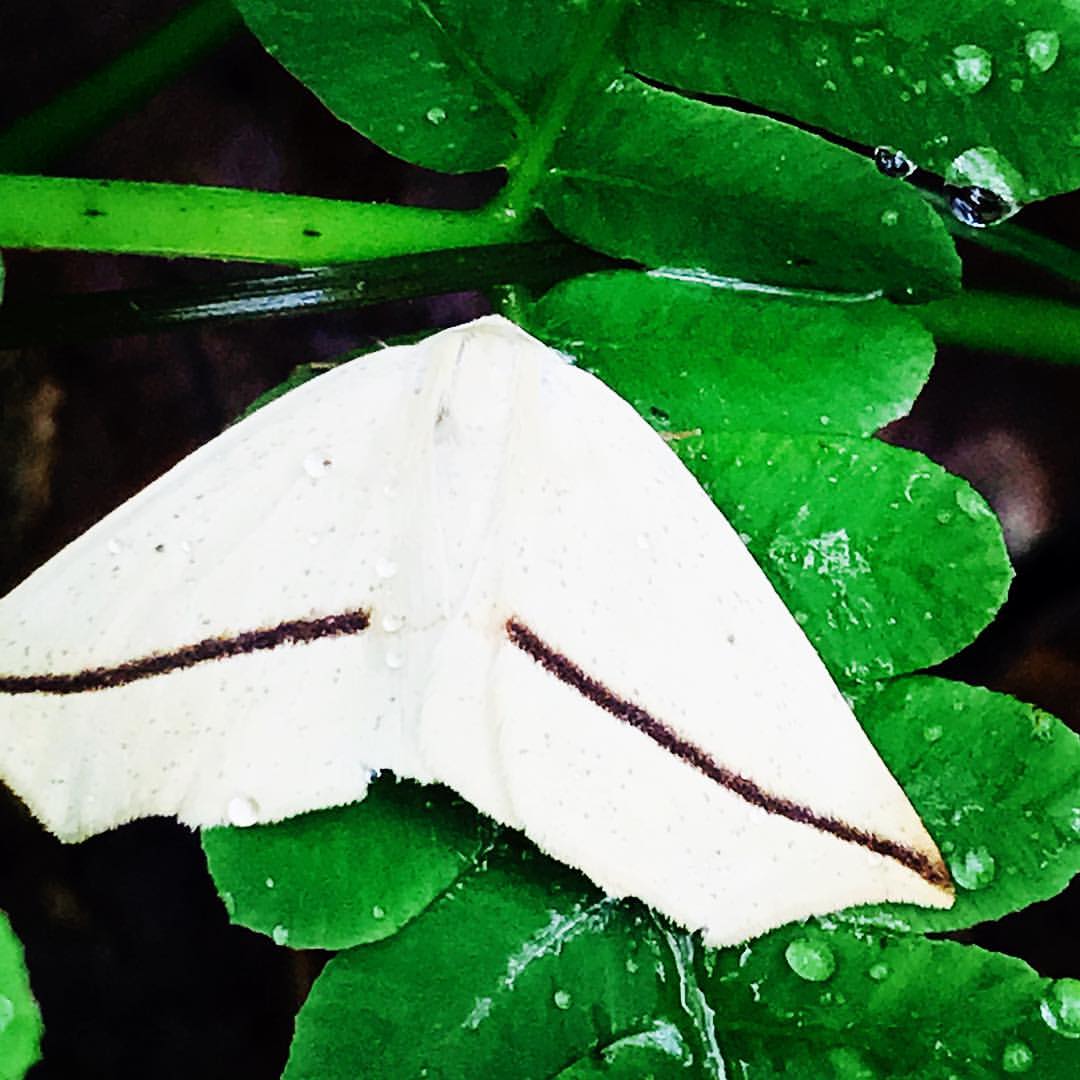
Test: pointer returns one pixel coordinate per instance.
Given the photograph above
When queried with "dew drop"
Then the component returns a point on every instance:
(1042, 48)
(280, 934)
(392, 623)
(879, 972)
(969, 500)
(933, 732)
(889, 217)
(970, 68)
(436, 114)
(242, 811)
(269, 882)
(1017, 1057)
(983, 187)
(394, 659)
(1060, 1008)
(378, 912)
(978, 207)
(1042, 726)
(386, 568)
(631, 965)
(974, 869)
(892, 162)
(317, 464)
(810, 960)
(562, 999)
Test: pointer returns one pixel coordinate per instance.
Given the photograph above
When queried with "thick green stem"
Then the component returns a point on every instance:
(227, 223)
(46, 320)
(528, 171)
(1026, 326)
(78, 114)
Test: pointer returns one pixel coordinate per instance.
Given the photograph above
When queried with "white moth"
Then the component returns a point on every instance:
(470, 562)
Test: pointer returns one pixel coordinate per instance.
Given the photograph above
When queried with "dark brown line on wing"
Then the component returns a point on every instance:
(566, 671)
(292, 632)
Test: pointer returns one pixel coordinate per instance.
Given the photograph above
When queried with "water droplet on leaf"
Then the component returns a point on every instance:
(810, 960)
(970, 68)
(1017, 1057)
(1042, 48)
(892, 162)
(1060, 1008)
(378, 912)
(933, 732)
(1042, 726)
(978, 207)
(280, 934)
(562, 999)
(970, 501)
(890, 217)
(974, 869)
(436, 114)
(988, 187)
(879, 972)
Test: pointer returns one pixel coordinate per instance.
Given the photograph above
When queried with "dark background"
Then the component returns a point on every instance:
(129, 950)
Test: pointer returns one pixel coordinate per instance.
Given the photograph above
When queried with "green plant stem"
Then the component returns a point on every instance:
(527, 172)
(1019, 243)
(1012, 240)
(227, 223)
(1028, 326)
(47, 320)
(78, 114)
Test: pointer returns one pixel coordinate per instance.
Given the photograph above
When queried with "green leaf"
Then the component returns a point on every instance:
(521, 970)
(933, 79)
(888, 562)
(651, 176)
(996, 782)
(443, 83)
(518, 970)
(333, 878)
(689, 355)
(630, 170)
(903, 1008)
(20, 1021)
